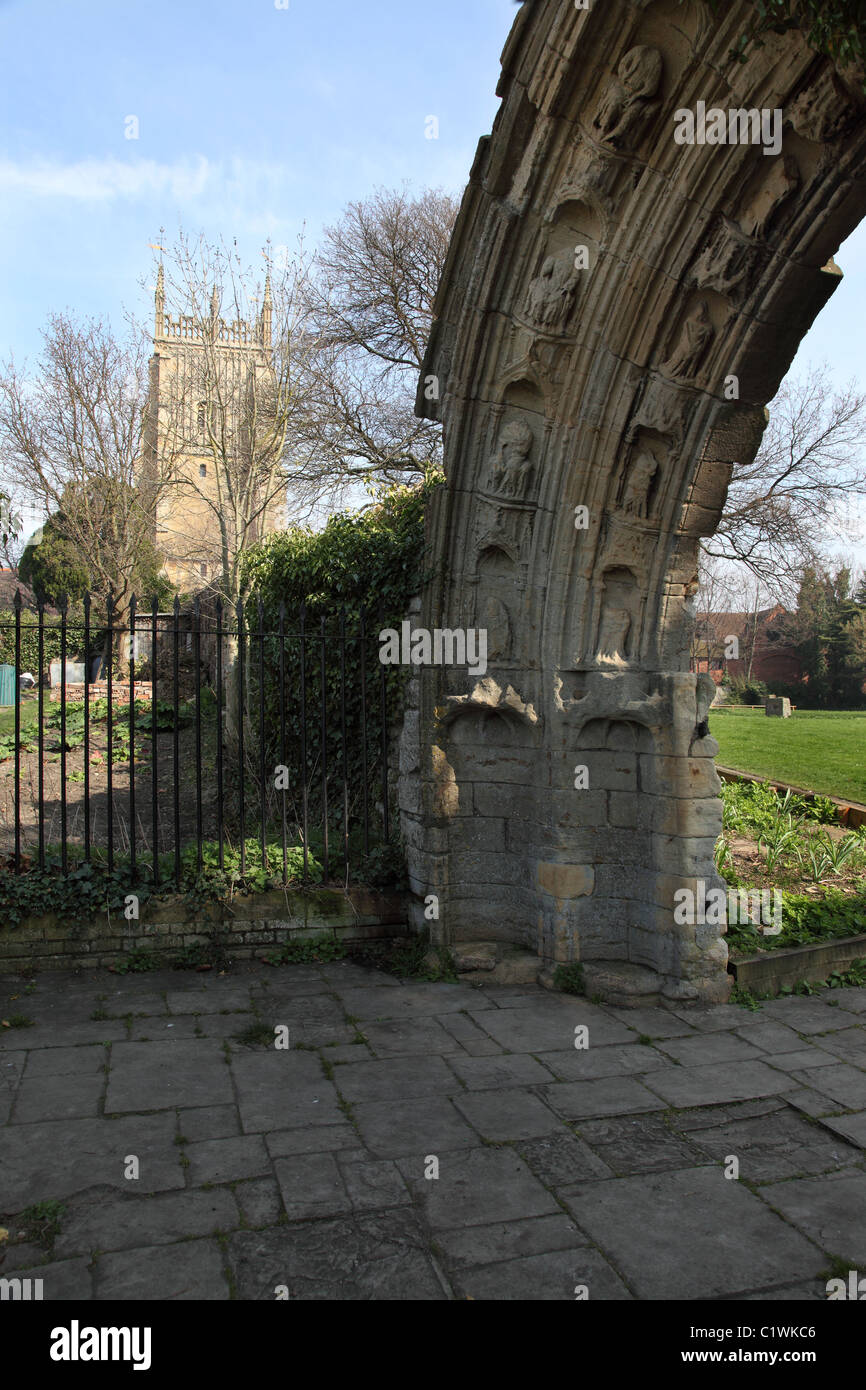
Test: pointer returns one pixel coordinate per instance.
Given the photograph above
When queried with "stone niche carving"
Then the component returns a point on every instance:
(619, 618)
(690, 347)
(552, 294)
(663, 410)
(627, 104)
(822, 112)
(727, 263)
(636, 497)
(511, 469)
(499, 593)
(617, 735)
(760, 209)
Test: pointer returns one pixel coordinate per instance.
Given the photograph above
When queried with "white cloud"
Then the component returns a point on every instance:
(105, 180)
(101, 180)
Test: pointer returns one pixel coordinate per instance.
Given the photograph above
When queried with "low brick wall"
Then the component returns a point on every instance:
(98, 690)
(167, 927)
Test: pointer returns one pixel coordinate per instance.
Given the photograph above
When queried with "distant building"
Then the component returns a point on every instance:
(762, 640)
(195, 383)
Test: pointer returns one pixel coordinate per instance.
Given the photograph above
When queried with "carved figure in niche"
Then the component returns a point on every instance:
(551, 295)
(613, 635)
(496, 619)
(783, 180)
(636, 498)
(620, 608)
(511, 466)
(662, 409)
(627, 102)
(726, 263)
(695, 336)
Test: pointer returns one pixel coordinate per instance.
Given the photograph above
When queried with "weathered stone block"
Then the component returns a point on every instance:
(565, 881)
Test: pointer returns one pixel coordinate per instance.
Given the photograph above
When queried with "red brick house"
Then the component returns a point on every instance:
(755, 646)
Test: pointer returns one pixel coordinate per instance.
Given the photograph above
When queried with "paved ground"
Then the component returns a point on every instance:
(313, 1168)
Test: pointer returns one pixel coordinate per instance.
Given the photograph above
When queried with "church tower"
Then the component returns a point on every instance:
(209, 379)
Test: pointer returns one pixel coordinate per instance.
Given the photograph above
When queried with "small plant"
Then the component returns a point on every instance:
(17, 1021)
(778, 841)
(42, 1222)
(569, 978)
(258, 1034)
(137, 962)
(745, 998)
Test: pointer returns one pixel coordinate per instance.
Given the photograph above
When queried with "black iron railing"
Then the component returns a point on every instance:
(190, 731)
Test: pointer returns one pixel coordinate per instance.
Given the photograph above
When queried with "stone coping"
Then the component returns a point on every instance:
(773, 970)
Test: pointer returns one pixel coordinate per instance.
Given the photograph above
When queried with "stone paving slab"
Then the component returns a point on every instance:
(407, 1076)
(562, 1158)
(709, 1049)
(543, 1028)
(188, 1072)
(105, 1222)
(842, 1084)
(591, 1063)
(831, 1211)
(228, 1160)
(713, 1085)
(279, 1090)
(509, 1240)
(494, 1073)
(62, 1280)
(637, 1144)
(424, 1141)
(507, 1115)
(58, 1097)
(424, 1036)
(851, 1127)
(57, 1158)
(185, 1271)
(477, 1188)
(431, 1125)
(344, 1260)
(615, 1095)
(771, 1148)
(547, 1278)
(691, 1235)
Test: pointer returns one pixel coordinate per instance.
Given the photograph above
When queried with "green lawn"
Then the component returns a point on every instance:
(823, 752)
(29, 716)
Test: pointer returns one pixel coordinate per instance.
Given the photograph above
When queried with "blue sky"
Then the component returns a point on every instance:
(253, 121)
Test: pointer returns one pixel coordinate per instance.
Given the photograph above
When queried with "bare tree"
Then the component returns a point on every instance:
(72, 435)
(782, 508)
(377, 274)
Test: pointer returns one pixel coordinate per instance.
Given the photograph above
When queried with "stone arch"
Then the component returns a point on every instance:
(713, 261)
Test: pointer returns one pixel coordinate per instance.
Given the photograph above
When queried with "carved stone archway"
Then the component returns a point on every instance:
(616, 310)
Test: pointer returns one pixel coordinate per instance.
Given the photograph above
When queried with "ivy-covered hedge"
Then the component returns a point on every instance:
(30, 641)
(372, 560)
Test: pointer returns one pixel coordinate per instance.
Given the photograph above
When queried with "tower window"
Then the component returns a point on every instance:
(202, 417)
(203, 571)
(202, 470)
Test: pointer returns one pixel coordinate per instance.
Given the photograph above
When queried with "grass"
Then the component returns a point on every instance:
(29, 717)
(818, 750)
